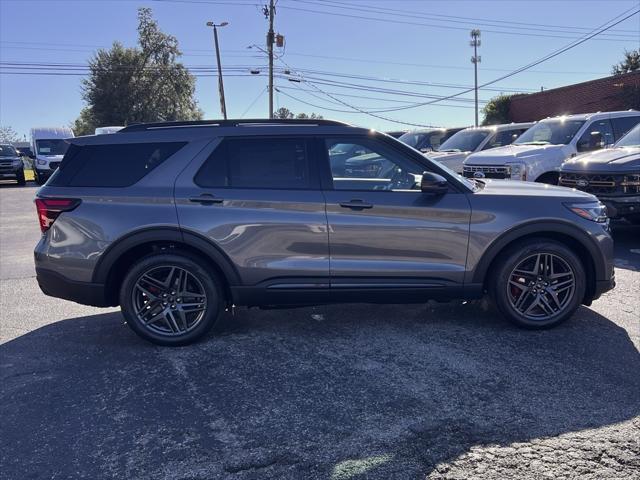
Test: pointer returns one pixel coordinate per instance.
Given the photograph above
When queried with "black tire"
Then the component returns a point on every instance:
(20, 178)
(205, 280)
(37, 178)
(506, 285)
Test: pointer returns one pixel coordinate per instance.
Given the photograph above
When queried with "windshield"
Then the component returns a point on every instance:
(8, 151)
(554, 132)
(631, 139)
(464, 141)
(56, 146)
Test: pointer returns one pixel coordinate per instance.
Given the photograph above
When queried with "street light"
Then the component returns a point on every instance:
(223, 106)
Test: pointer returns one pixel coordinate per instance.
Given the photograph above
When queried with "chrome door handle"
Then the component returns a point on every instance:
(206, 199)
(356, 204)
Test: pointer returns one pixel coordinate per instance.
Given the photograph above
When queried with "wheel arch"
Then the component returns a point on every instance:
(118, 258)
(566, 234)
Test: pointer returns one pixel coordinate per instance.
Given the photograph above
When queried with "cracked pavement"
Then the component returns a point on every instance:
(435, 391)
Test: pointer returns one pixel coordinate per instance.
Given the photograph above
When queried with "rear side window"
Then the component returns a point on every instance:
(111, 165)
(277, 163)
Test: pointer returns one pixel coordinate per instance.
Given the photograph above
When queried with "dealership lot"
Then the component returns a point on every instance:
(394, 391)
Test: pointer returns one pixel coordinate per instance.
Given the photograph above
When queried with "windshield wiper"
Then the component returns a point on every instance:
(450, 150)
(537, 142)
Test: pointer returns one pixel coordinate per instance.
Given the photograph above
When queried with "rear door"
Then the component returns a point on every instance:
(258, 199)
(384, 233)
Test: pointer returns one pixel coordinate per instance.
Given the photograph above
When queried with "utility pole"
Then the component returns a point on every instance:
(270, 41)
(475, 43)
(223, 106)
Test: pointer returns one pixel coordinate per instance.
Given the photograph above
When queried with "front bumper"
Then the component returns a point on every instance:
(621, 206)
(55, 285)
(10, 171)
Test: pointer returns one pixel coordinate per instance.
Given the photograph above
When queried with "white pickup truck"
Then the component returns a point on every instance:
(538, 153)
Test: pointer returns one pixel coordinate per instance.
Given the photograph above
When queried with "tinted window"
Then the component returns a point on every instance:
(464, 141)
(631, 139)
(111, 165)
(622, 125)
(257, 163)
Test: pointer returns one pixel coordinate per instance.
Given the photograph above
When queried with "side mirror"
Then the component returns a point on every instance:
(32, 156)
(433, 184)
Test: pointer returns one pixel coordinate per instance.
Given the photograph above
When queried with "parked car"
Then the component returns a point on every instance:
(49, 146)
(538, 154)
(428, 139)
(613, 175)
(458, 147)
(176, 221)
(11, 166)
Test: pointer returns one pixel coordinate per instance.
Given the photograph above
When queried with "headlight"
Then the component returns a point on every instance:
(518, 171)
(594, 211)
(42, 162)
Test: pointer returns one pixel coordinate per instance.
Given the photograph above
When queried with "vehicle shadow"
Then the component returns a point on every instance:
(377, 392)
(626, 245)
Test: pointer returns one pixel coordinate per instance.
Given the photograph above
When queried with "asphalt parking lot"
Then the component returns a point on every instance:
(342, 392)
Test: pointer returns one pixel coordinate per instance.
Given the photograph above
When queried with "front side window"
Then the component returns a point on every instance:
(596, 136)
(621, 125)
(465, 141)
(381, 168)
(54, 146)
(270, 163)
(555, 132)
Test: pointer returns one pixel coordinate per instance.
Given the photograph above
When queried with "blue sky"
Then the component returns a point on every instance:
(408, 46)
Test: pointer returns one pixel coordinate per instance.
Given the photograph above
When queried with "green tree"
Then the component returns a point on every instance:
(496, 111)
(140, 84)
(630, 63)
(285, 113)
(8, 134)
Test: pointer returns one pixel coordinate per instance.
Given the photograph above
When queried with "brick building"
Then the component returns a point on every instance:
(603, 94)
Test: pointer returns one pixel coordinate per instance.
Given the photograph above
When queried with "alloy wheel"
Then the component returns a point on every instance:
(169, 300)
(541, 286)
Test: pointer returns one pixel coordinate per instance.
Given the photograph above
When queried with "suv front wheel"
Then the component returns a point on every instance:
(170, 299)
(538, 283)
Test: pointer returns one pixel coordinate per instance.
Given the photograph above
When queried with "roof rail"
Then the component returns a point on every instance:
(139, 127)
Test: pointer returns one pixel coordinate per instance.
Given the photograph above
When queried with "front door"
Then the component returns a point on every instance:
(384, 233)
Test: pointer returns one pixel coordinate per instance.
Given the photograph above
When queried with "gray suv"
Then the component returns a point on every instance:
(177, 221)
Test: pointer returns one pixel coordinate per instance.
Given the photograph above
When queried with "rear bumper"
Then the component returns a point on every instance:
(56, 285)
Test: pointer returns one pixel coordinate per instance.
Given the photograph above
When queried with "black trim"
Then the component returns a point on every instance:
(163, 234)
(56, 285)
(540, 228)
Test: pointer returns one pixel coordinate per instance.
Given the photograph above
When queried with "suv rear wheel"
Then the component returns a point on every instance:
(170, 299)
(538, 283)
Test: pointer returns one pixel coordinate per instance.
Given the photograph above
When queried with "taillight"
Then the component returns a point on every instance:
(50, 208)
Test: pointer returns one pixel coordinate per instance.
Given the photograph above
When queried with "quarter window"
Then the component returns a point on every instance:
(119, 165)
(277, 163)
